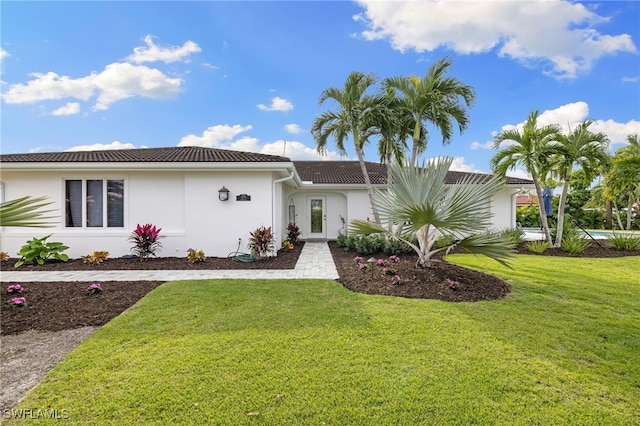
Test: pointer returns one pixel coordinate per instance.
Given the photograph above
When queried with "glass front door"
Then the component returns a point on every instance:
(317, 217)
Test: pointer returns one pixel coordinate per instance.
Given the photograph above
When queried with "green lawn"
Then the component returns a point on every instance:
(563, 348)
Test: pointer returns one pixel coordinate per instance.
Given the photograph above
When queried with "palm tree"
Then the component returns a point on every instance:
(623, 177)
(581, 148)
(25, 211)
(530, 148)
(355, 117)
(421, 206)
(434, 99)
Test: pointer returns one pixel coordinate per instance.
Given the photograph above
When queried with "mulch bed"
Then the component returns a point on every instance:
(55, 306)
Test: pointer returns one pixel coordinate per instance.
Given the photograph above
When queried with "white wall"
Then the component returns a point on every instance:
(184, 204)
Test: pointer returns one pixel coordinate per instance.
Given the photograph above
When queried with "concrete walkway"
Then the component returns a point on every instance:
(315, 261)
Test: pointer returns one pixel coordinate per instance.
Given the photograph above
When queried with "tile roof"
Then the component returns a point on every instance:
(349, 172)
(187, 154)
(318, 172)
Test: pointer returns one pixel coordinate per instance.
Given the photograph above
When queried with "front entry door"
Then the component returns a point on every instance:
(317, 217)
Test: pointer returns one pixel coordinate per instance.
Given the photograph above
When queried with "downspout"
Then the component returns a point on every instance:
(273, 202)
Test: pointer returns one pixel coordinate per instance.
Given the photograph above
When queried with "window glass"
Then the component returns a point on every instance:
(94, 203)
(115, 205)
(73, 203)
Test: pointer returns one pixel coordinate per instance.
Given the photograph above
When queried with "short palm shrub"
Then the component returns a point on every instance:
(261, 242)
(574, 244)
(537, 246)
(624, 242)
(514, 236)
(419, 208)
(369, 244)
(38, 251)
(145, 239)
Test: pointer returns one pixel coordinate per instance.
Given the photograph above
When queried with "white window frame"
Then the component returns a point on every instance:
(105, 211)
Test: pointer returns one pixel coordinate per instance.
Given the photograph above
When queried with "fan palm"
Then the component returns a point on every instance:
(435, 99)
(530, 148)
(581, 148)
(25, 211)
(420, 205)
(355, 118)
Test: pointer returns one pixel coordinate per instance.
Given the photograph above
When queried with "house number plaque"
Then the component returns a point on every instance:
(243, 197)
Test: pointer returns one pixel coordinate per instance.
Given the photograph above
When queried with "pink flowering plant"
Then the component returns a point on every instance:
(357, 259)
(362, 266)
(382, 262)
(18, 302)
(15, 289)
(453, 285)
(394, 259)
(145, 239)
(396, 280)
(95, 288)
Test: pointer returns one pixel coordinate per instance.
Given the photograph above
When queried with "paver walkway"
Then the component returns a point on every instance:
(315, 261)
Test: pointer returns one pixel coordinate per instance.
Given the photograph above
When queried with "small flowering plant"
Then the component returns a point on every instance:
(453, 285)
(362, 266)
(18, 302)
(357, 259)
(145, 239)
(94, 288)
(394, 259)
(396, 280)
(15, 289)
(381, 262)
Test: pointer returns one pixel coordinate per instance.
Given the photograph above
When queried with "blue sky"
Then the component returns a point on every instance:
(248, 75)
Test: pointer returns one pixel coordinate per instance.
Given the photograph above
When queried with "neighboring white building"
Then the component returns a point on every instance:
(102, 195)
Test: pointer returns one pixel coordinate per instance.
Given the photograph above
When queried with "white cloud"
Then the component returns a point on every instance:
(117, 81)
(479, 145)
(70, 108)
(222, 137)
(292, 128)
(120, 81)
(102, 146)
(277, 104)
(460, 164)
(152, 52)
(3, 55)
(563, 40)
(215, 136)
(568, 116)
(631, 79)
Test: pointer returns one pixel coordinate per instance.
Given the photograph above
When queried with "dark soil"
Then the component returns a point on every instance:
(55, 306)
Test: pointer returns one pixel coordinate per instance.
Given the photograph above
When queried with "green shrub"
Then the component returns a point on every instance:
(194, 256)
(624, 242)
(538, 246)
(574, 243)
(394, 246)
(261, 242)
(368, 244)
(445, 241)
(38, 251)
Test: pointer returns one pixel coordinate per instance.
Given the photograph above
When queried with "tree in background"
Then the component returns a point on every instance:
(622, 179)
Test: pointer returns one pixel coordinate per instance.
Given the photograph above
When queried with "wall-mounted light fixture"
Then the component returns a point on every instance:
(223, 194)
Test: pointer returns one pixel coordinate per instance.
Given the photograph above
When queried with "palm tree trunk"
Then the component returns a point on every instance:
(367, 181)
(543, 213)
(608, 212)
(561, 207)
(416, 142)
(615, 206)
(630, 210)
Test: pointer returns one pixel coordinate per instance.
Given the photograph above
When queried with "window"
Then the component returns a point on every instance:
(94, 203)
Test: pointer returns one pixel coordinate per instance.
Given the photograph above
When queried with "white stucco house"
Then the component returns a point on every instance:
(100, 197)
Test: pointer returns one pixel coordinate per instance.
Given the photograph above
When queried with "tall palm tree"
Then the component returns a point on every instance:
(25, 211)
(422, 207)
(531, 148)
(435, 99)
(581, 148)
(355, 118)
(623, 177)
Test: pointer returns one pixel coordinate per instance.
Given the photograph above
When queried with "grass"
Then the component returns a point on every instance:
(563, 348)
